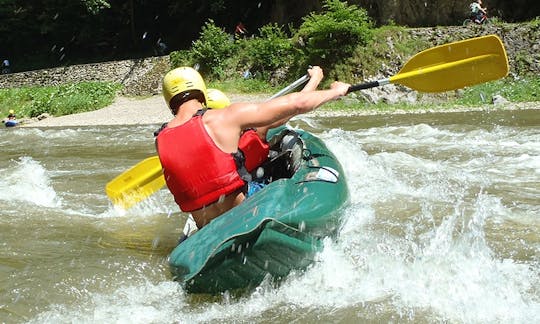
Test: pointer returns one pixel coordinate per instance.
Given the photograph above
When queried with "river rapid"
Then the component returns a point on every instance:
(443, 225)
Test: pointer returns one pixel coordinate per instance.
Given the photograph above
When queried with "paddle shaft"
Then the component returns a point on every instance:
(291, 87)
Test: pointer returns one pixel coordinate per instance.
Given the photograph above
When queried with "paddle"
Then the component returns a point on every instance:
(137, 183)
(451, 66)
(441, 68)
(146, 177)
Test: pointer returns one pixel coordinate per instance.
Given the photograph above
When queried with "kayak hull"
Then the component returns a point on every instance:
(277, 230)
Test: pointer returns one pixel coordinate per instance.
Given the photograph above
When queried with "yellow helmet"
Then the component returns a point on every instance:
(182, 84)
(11, 111)
(216, 99)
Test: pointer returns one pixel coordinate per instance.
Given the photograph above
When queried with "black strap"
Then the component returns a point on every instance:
(240, 161)
(200, 112)
(156, 133)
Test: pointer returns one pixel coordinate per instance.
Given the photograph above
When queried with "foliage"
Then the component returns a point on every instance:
(369, 61)
(270, 51)
(94, 6)
(180, 58)
(515, 90)
(535, 23)
(59, 100)
(332, 35)
(241, 85)
(212, 50)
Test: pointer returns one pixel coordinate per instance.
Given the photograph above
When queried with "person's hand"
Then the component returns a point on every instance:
(315, 72)
(342, 88)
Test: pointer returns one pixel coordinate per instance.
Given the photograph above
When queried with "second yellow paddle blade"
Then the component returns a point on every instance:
(455, 65)
(134, 185)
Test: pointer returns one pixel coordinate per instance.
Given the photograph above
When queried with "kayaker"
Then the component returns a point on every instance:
(252, 144)
(198, 149)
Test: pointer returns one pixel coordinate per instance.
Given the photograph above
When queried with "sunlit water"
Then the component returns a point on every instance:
(443, 226)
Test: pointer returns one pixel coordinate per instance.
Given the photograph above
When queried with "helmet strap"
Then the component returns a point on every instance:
(183, 97)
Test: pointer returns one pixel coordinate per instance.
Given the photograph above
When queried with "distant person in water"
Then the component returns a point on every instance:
(11, 119)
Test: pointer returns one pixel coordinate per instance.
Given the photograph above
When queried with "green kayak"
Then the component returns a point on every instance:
(276, 230)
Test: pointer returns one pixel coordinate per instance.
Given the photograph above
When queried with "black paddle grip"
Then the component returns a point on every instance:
(363, 86)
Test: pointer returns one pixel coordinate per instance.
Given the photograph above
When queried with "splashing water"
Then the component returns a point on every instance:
(27, 182)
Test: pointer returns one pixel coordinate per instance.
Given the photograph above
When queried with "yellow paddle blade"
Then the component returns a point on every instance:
(137, 183)
(455, 65)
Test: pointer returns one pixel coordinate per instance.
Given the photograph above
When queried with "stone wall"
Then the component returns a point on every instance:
(139, 77)
(521, 41)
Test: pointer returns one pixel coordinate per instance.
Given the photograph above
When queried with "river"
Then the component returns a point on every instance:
(443, 226)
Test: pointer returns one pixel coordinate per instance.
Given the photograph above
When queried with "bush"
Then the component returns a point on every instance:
(213, 50)
(332, 35)
(180, 58)
(269, 52)
(59, 100)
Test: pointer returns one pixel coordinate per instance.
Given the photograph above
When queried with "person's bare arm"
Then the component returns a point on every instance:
(315, 77)
(269, 112)
(226, 125)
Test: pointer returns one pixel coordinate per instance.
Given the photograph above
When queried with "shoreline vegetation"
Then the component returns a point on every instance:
(106, 108)
(250, 68)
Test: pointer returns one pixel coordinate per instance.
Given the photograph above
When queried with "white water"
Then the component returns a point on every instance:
(442, 227)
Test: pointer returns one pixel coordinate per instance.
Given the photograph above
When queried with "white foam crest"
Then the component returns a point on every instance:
(144, 303)
(452, 275)
(382, 176)
(409, 135)
(457, 276)
(159, 202)
(28, 182)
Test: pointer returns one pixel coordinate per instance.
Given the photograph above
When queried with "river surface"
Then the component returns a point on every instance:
(443, 226)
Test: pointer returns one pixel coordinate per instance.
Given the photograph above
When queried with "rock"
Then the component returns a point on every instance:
(43, 116)
(499, 100)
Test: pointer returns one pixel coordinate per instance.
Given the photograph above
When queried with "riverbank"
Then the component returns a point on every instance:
(152, 110)
(123, 111)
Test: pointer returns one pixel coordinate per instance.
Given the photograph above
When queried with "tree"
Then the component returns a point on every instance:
(95, 6)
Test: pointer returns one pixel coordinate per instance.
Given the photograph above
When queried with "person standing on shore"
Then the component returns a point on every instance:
(198, 149)
(5, 67)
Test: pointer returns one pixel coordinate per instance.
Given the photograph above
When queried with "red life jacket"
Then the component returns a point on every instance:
(196, 171)
(254, 148)
(223, 173)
